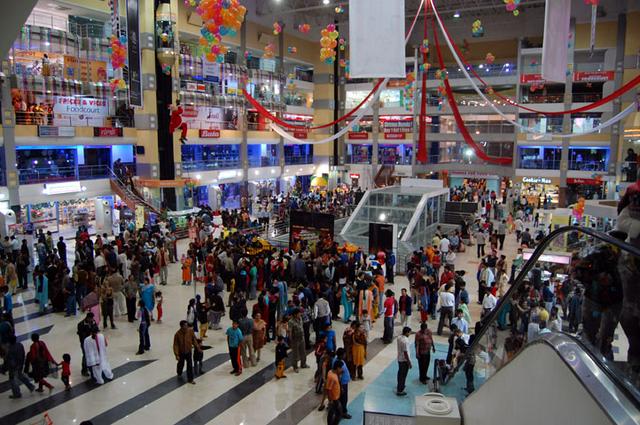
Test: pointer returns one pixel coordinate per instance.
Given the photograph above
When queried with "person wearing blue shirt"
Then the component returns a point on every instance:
(234, 337)
(345, 378)
(460, 322)
(7, 301)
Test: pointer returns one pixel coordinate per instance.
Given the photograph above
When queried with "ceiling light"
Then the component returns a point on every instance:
(325, 1)
(481, 66)
(456, 14)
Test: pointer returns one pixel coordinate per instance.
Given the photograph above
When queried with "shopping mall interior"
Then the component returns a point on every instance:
(320, 211)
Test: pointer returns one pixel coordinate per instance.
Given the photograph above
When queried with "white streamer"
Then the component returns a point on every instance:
(631, 108)
(282, 132)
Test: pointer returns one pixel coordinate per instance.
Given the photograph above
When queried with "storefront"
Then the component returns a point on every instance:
(476, 181)
(539, 189)
(585, 188)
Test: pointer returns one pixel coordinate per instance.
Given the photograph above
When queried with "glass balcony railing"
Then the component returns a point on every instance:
(263, 161)
(559, 98)
(458, 159)
(494, 70)
(588, 165)
(59, 174)
(38, 118)
(578, 284)
(539, 164)
(298, 159)
(358, 159)
(212, 164)
(477, 127)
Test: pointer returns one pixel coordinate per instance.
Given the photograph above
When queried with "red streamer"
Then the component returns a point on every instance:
(622, 90)
(456, 114)
(421, 154)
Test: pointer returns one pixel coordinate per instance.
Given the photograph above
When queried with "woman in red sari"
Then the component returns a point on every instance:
(39, 358)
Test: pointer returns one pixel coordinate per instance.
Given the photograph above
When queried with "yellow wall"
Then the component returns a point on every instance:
(632, 41)
(606, 33)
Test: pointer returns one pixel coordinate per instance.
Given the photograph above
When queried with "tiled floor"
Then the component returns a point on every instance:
(145, 389)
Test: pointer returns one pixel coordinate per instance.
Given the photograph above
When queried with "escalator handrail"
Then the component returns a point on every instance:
(131, 193)
(522, 275)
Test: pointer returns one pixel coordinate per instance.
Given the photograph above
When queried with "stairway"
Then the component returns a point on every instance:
(384, 177)
(130, 196)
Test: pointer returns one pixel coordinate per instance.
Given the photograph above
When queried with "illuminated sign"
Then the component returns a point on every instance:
(536, 180)
(354, 176)
(60, 188)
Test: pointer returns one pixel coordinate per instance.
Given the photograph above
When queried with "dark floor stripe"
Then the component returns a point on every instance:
(308, 402)
(62, 397)
(211, 410)
(40, 331)
(150, 395)
(31, 316)
(27, 302)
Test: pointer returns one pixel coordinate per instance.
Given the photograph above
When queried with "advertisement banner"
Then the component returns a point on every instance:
(311, 230)
(203, 117)
(139, 216)
(133, 49)
(79, 111)
(593, 76)
(531, 79)
(71, 67)
(397, 126)
(358, 135)
(210, 70)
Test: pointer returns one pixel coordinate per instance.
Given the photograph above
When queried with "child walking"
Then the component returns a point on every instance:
(66, 371)
(159, 300)
(281, 355)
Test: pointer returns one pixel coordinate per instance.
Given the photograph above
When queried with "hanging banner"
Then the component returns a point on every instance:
(203, 117)
(555, 46)
(79, 111)
(133, 49)
(376, 39)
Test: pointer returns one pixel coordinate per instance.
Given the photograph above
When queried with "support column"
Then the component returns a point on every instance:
(618, 128)
(9, 145)
(244, 147)
(375, 124)
(280, 71)
(566, 121)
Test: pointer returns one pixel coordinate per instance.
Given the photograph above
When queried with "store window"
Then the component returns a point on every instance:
(539, 157)
(390, 154)
(209, 157)
(39, 165)
(541, 124)
(582, 123)
(298, 154)
(589, 159)
(263, 155)
(359, 154)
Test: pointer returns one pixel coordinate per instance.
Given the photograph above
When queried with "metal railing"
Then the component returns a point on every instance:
(588, 165)
(59, 174)
(213, 164)
(494, 70)
(298, 159)
(43, 118)
(539, 164)
(263, 161)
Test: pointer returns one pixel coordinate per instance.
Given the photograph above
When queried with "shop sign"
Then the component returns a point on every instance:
(210, 70)
(531, 79)
(107, 132)
(300, 134)
(536, 180)
(394, 136)
(593, 76)
(210, 134)
(354, 176)
(589, 182)
(60, 188)
(358, 135)
(397, 126)
(52, 131)
(192, 86)
(79, 111)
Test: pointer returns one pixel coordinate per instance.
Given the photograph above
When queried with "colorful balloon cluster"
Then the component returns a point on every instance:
(339, 9)
(424, 47)
(269, 51)
(191, 3)
(329, 43)
(292, 50)
(118, 51)
(477, 30)
(219, 18)
(117, 83)
(489, 59)
(304, 28)
(343, 44)
(578, 209)
(512, 6)
(408, 91)
(277, 28)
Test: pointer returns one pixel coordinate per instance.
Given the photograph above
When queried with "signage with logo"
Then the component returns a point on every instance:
(60, 188)
(589, 182)
(358, 135)
(203, 117)
(354, 176)
(210, 134)
(536, 180)
(394, 136)
(531, 79)
(51, 131)
(107, 132)
(300, 134)
(593, 76)
(397, 126)
(79, 111)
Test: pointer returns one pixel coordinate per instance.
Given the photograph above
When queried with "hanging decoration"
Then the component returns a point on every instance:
(578, 209)
(328, 43)
(339, 9)
(343, 44)
(512, 6)
(292, 50)
(304, 28)
(291, 82)
(408, 91)
(191, 3)
(477, 30)
(277, 28)
(219, 18)
(165, 37)
(489, 59)
(247, 55)
(466, 47)
(269, 51)
(118, 53)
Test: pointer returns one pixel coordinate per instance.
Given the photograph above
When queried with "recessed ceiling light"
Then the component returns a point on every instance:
(456, 14)
(325, 1)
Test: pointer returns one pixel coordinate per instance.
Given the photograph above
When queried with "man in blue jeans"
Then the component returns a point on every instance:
(390, 310)
(404, 360)
(14, 362)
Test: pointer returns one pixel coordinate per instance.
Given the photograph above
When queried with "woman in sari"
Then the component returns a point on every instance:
(42, 289)
(359, 349)
(259, 332)
(346, 303)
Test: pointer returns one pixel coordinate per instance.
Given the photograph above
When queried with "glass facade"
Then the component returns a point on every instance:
(359, 154)
(262, 155)
(548, 158)
(210, 157)
(298, 154)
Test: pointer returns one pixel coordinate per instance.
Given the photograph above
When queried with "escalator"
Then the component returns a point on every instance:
(129, 193)
(580, 366)
(384, 176)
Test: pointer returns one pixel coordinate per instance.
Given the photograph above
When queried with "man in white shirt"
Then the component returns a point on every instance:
(322, 313)
(447, 303)
(460, 322)
(519, 225)
(404, 360)
(488, 303)
(444, 246)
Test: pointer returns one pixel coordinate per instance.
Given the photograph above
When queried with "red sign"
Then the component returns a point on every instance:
(394, 136)
(590, 182)
(358, 135)
(210, 134)
(107, 132)
(354, 176)
(593, 76)
(300, 134)
(531, 79)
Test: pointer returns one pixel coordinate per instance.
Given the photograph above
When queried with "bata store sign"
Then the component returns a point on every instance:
(210, 134)
(79, 111)
(300, 134)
